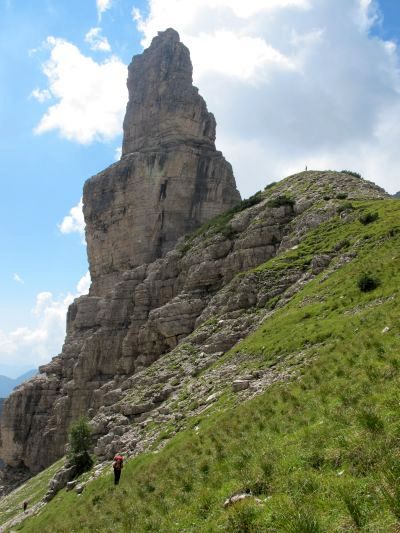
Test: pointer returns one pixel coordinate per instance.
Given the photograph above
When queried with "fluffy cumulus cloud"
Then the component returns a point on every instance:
(74, 222)
(90, 97)
(96, 41)
(303, 81)
(28, 347)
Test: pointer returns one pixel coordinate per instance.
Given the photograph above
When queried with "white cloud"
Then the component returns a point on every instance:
(84, 284)
(303, 82)
(34, 346)
(74, 222)
(368, 14)
(41, 95)
(28, 347)
(102, 6)
(96, 41)
(118, 153)
(17, 278)
(91, 97)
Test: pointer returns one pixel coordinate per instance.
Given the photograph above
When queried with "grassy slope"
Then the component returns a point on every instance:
(321, 452)
(33, 491)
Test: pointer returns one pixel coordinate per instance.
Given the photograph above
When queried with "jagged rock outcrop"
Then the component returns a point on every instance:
(170, 180)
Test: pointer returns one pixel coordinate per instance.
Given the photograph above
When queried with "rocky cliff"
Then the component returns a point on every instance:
(141, 349)
(170, 180)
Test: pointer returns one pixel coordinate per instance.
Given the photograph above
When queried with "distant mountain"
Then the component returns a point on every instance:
(397, 195)
(8, 384)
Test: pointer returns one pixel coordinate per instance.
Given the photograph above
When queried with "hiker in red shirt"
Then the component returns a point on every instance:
(117, 466)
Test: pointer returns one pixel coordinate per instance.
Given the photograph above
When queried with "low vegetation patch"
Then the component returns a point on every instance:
(341, 195)
(352, 173)
(280, 200)
(368, 218)
(367, 282)
(220, 223)
(345, 206)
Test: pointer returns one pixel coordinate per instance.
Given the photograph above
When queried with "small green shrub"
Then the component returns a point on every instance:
(249, 202)
(368, 218)
(345, 206)
(341, 195)
(352, 173)
(280, 200)
(80, 441)
(367, 283)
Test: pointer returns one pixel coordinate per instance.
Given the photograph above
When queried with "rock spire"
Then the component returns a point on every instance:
(169, 181)
(164, 107)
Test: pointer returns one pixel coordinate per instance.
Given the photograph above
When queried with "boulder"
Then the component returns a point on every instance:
(240, 384)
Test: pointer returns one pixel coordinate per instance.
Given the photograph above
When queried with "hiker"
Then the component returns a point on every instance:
(117, 466)
(25, 505)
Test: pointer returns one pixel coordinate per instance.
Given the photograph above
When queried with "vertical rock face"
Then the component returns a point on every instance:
(170, 180)
(164, 108)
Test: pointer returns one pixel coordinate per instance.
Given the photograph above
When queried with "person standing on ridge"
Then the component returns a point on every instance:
(118, 464)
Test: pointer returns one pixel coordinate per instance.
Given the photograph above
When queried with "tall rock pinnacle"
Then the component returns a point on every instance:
(170, 180)
(164, 107)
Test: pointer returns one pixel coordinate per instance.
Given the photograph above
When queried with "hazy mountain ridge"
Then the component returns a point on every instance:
(8, 384)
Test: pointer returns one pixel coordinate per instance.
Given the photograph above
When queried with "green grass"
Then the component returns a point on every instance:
(33, 491)
(321, 451)
(220, 223)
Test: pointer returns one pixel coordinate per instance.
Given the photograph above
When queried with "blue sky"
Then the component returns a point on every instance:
(304, 82)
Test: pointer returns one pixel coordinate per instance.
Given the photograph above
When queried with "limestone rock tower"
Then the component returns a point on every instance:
(169, 181)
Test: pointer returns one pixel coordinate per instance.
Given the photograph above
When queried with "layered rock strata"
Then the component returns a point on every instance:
(170, 180)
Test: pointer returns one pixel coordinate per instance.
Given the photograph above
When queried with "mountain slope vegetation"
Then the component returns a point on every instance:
(318, 450)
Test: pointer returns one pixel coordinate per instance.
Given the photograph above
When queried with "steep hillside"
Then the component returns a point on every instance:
(302, 414)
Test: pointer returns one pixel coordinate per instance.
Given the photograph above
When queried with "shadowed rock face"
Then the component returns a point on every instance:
(170, 180)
